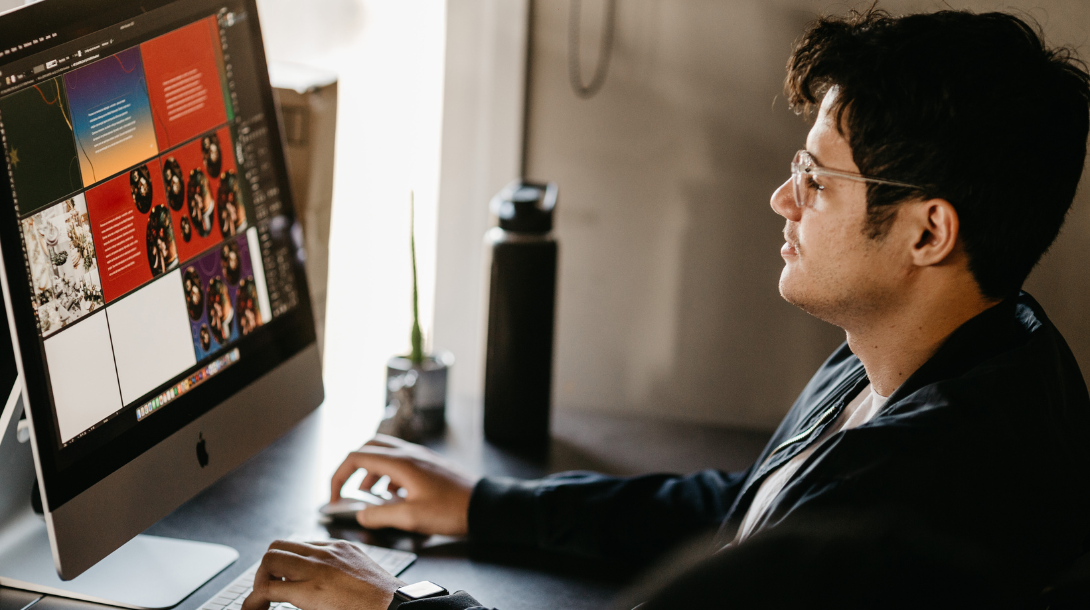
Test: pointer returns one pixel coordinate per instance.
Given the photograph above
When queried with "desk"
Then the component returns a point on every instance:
(262, 500)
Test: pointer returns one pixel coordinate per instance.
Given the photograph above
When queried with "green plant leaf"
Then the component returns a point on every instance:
(416, 339)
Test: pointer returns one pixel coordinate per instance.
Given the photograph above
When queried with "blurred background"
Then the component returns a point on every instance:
(668, 305)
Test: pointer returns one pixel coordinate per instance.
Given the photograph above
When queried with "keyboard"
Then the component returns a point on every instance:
(232, 596)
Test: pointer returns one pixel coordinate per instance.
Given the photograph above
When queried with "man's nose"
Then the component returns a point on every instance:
(783, 202)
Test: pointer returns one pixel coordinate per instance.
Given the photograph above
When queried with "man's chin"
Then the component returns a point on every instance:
(811, 299)
(793, 291)
(789, 288)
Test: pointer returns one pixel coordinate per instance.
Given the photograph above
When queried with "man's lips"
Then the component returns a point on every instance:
(789, 248)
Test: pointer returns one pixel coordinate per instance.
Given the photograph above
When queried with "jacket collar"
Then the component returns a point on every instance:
(984, 336)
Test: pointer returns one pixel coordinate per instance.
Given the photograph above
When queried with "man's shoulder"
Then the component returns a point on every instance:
(1012, 348)
(1008, 376)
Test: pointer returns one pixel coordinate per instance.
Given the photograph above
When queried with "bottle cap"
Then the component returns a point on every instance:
(525, 207)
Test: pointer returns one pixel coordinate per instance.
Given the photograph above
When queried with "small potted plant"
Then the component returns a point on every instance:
(416, 384)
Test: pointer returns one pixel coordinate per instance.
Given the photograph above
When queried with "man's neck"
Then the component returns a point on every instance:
(894, 347)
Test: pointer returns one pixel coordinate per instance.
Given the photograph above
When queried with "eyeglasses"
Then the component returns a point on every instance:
(803, 167)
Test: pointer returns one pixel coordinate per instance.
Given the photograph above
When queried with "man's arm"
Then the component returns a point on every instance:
(631, 520)
(623, 519)
(844, 560)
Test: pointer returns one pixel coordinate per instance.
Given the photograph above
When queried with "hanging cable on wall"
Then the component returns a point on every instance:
(605, 49)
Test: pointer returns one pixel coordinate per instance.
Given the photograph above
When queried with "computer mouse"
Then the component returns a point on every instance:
(346, 508)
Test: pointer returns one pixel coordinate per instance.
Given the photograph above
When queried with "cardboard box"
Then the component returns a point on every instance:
(307, 102)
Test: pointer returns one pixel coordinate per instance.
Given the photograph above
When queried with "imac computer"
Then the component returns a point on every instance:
(152, 273)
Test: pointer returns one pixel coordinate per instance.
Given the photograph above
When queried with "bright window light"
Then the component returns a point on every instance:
(389, 57)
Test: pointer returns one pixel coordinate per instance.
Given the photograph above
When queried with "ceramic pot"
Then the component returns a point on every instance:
(430, 391)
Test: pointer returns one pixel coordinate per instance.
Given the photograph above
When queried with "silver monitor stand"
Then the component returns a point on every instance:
(147, 572)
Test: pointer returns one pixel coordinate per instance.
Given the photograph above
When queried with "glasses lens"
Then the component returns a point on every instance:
(798, 169)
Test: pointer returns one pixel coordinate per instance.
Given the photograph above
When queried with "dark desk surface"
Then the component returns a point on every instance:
(276, 494)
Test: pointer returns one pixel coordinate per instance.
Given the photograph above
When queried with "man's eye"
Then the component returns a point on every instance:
(813, 184)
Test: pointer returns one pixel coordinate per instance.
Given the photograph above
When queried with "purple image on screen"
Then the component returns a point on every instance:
(214, 311)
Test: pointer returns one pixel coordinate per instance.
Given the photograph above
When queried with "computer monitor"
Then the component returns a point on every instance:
(153, 277)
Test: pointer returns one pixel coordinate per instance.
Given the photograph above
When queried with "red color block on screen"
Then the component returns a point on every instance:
(184, 82)
(119, 227)
(197, 225)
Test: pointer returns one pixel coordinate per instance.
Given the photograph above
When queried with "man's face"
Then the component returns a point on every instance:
(833, 269)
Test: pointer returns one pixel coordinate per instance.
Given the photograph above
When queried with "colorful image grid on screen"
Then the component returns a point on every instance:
(187, 384)
(140, 240)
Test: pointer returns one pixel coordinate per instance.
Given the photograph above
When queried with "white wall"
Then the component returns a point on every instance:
(669, 252)
(482, 149)
(448, 76)
(390, 59)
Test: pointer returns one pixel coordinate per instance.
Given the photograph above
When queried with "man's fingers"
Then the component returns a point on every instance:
(369, 481)
(378, 460)
(385, 440)
(255, 601)
(277, 591)
(323, 543)
(259, 599)
(380, 440)
(284, 564)
(304, 549)
(295, 593)
(399, 515)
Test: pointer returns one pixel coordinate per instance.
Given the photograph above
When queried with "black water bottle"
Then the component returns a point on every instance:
(521, 308)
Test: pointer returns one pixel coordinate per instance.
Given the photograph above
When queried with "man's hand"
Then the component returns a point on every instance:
(436, 492)
(321, 576)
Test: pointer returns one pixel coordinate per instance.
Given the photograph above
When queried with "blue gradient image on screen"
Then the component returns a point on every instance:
(111, 115)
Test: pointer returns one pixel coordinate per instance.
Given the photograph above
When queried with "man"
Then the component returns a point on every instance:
(175, 183)
(202, 206)
(210, 150)
(938, 457)
(140, 185)
(162, 251)
(221, 315)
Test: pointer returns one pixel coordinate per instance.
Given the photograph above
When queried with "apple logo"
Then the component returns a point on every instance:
(202, 451)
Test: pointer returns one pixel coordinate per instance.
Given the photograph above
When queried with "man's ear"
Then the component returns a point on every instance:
(936, 227)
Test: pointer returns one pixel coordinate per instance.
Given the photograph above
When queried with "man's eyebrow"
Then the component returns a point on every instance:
(813, 156)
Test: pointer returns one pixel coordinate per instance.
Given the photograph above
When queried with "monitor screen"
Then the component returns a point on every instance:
(150, 252)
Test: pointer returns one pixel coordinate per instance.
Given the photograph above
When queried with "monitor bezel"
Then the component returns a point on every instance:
(283, 337)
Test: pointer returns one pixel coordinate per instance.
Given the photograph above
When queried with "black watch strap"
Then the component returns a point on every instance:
(421, 590)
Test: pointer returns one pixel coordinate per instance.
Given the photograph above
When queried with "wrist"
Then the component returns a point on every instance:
(416, 591)
(389, 589)
(465, 496)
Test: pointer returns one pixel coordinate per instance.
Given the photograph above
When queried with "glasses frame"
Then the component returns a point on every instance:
(800, 168)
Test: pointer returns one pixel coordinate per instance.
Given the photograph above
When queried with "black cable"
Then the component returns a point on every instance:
(605, 50)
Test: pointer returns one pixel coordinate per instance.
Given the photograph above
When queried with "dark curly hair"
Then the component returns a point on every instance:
(974, 108)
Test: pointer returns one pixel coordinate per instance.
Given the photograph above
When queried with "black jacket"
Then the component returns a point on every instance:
(973, 480)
